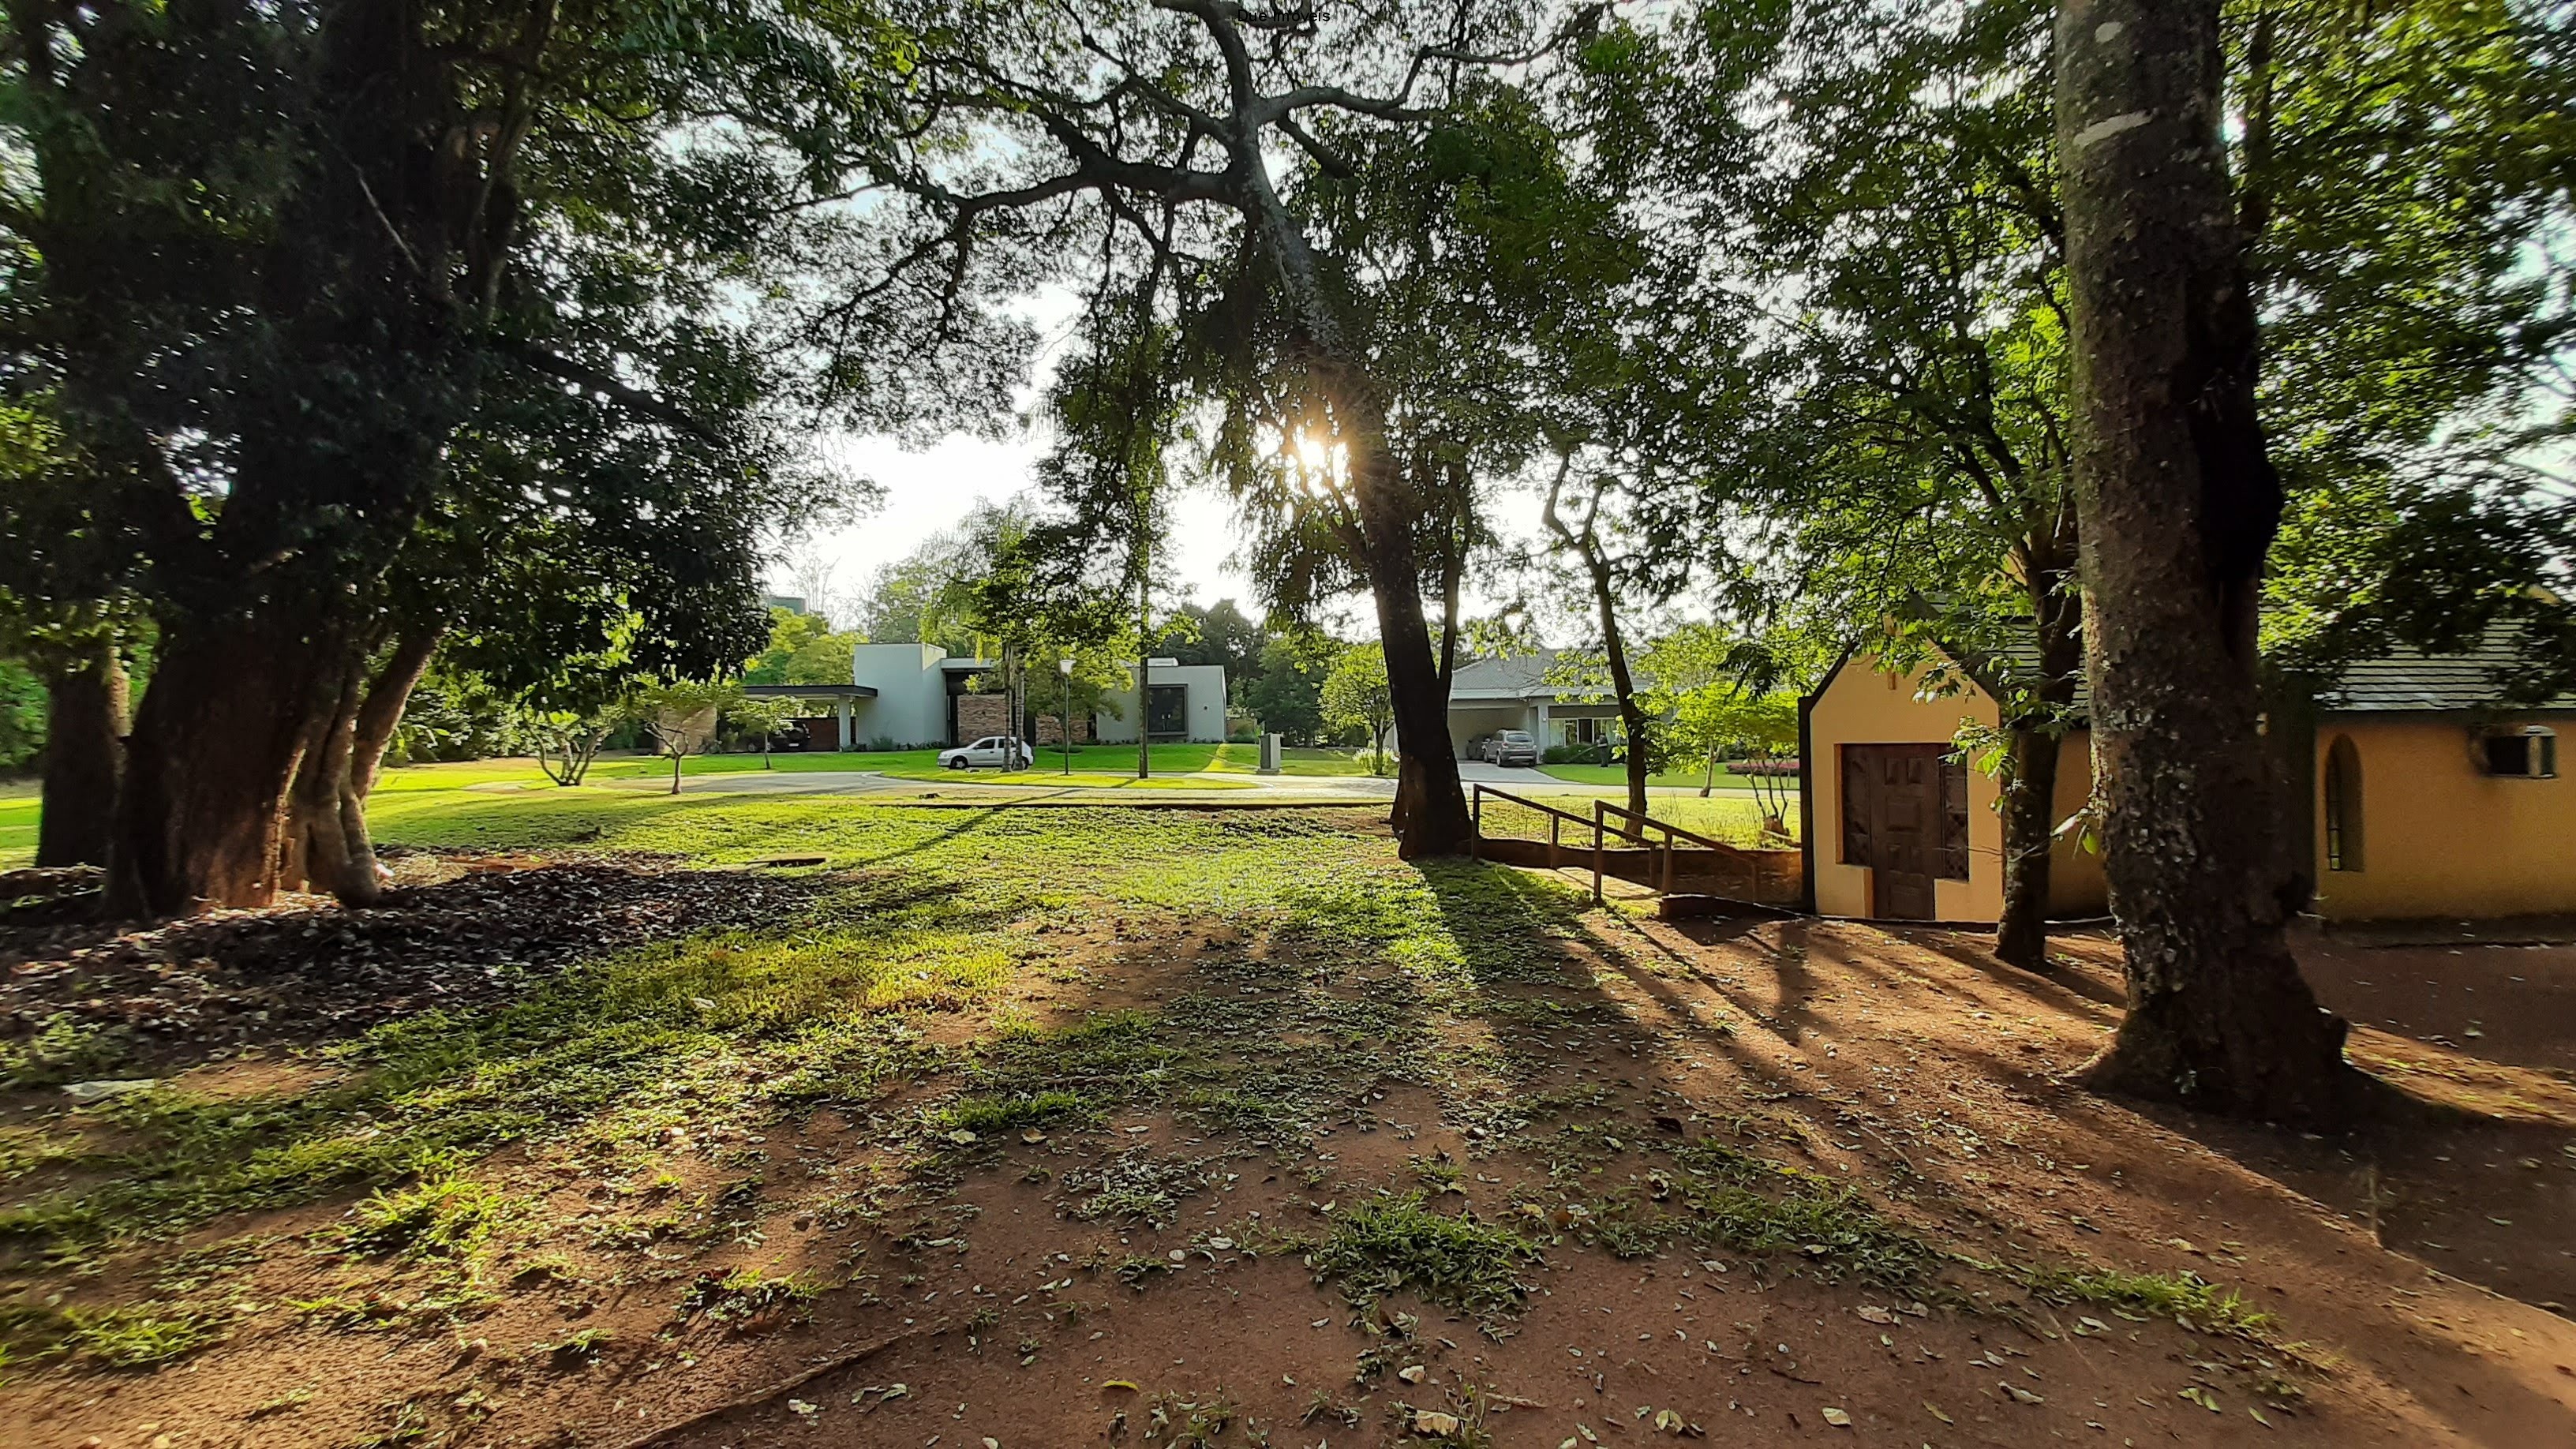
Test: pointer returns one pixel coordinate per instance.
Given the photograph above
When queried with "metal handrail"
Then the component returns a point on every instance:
(1753, 864)
(1599, 820)
(1720, 846)
(1479, 790)
(1556, 819)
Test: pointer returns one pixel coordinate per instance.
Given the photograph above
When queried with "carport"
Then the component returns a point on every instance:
(842, 698)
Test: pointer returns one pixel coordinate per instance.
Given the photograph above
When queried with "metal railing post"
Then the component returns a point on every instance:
(1555, 823)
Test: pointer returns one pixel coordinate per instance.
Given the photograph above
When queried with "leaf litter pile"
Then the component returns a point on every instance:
(1301, 1147)
(464, 932)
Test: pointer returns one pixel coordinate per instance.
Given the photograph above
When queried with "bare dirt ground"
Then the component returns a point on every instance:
(1912, 1192)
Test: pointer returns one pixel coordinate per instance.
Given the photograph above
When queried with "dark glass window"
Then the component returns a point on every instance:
(2343, 805)
(2530, 753)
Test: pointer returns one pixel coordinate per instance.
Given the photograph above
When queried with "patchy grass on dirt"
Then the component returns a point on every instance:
(1050, 1124)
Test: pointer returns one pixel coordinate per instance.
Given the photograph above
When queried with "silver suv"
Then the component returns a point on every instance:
(1511, 747)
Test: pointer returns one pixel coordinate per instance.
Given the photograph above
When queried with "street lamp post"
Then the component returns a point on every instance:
(1064, 721)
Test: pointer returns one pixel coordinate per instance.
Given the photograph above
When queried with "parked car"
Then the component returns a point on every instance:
(1511, 747)
(997, 752)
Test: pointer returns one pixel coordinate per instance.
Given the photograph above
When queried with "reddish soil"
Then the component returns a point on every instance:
(2413, 1265)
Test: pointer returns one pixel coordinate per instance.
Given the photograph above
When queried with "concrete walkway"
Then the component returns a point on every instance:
(1018, 785)
(1035, 785)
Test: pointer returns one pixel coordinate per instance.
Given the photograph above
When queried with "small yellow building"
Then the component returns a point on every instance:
(2427, 798)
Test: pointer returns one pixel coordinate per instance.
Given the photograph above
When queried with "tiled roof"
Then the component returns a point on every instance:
(1519, 676)
(2025, 663)
(2403, 679)
(2410, 679)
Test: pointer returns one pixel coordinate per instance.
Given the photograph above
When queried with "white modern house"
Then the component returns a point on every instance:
(1513, 693)
(917, 695)
(1184, 702)
(912, 706)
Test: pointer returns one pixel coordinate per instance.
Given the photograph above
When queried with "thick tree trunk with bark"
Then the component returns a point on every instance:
(215, 744)
(327, 845)
(84, 760)
(1430, 812)
(2178, 505)
(2036, 738)
(2029, 821)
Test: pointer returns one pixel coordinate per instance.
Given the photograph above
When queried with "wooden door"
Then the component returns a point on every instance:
(1893, 824)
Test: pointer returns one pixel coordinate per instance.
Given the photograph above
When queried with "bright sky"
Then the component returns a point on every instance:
(926, 492)
(932, 490)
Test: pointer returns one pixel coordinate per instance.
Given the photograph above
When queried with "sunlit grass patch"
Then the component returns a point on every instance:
(442, 1216)
(64, 1049)
(1728, 817)
(1392, 1243)
(812, 1010)
(747, 1297)
(116, 1338)
(2194, 1302)
(18, 811)
(1039, 779)
(992, 1116)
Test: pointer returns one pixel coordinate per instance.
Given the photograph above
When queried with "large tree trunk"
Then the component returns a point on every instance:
(215, 743)
(311, 852)
(2029, 821)
(2035, 740)
(1430, 815)
(2178, 505)
(327, 845)
(1430, 812)
(84, 760)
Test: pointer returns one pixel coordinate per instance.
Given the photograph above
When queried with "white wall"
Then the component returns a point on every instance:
(1205, 714)
(911, 707)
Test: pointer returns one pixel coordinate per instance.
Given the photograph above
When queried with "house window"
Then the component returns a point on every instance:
(1586, 730)
(2529, 753)
(2343, 805)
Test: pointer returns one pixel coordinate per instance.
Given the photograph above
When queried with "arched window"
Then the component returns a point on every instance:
(2343, 805)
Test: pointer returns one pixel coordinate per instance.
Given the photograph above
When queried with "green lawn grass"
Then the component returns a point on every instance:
(1181, 759)
(17, 826)
(827, 1003)
(1042, 778)
(1730, 819)
(1618, 775)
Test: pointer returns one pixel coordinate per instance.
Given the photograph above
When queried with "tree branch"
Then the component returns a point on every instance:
(635, 400)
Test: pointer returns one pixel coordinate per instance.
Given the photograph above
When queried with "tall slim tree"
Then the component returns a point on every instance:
(2178, 503)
